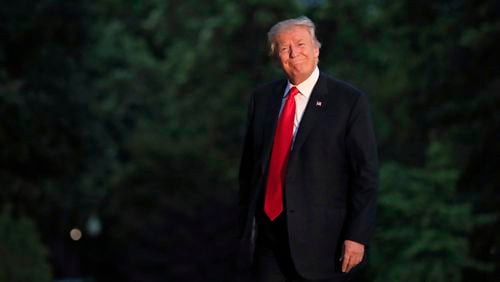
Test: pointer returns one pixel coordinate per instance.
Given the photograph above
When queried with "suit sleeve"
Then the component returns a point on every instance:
(246, 170)
(363, 159)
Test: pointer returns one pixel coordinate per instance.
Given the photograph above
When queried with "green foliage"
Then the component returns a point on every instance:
(423, 228)
(23, 258)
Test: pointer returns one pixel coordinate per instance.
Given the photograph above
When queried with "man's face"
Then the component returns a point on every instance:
(297, 53)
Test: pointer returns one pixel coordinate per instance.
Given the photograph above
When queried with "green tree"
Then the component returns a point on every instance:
(23, 257)
(424, 228)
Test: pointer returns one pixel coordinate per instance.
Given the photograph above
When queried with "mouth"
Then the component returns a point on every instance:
(296, 63)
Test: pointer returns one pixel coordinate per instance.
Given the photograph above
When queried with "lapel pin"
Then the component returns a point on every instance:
(319, 103)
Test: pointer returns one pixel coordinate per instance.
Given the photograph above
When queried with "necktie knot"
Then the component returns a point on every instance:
(293, 91)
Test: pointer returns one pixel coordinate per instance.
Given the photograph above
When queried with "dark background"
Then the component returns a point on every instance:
(124, 120)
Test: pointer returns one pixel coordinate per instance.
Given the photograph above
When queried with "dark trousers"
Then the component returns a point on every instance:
(273, 262)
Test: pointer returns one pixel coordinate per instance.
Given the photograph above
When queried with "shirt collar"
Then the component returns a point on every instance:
(306, 86)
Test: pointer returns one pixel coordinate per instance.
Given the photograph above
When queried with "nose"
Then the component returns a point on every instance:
(293, 52)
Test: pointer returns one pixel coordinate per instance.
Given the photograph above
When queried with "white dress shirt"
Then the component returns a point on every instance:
(305, 88)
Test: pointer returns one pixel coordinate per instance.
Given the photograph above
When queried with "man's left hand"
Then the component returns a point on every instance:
(352, 256)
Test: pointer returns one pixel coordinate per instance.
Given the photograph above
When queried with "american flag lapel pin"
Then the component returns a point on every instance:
(319, 103)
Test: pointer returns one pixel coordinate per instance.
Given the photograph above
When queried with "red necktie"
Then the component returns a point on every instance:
(273, 201)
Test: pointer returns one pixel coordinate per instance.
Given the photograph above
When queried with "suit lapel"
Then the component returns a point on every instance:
(315, 106)
(275, 98)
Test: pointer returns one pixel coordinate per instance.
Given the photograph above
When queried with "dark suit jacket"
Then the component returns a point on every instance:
(331, 180)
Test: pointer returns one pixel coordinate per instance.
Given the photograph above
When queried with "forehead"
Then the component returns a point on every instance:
(294, 33)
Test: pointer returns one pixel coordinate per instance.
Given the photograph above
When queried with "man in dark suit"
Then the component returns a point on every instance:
(309, 169)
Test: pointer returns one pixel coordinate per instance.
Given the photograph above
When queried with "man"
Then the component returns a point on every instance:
(308, 174)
